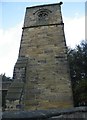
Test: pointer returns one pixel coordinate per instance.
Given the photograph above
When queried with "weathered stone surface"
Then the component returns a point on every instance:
(45, 75)
(47, 70)
(35, 15)
(15, 92)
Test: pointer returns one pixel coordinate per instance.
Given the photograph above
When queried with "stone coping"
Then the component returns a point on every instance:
(60, 3)
(40, 114)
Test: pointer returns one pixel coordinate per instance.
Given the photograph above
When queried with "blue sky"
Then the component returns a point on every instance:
(13, 12)
(12, 16)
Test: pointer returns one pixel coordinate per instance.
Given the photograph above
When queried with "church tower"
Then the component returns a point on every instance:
(41, 73)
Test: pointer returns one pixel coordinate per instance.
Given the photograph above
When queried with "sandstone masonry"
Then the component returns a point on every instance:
(41, 74)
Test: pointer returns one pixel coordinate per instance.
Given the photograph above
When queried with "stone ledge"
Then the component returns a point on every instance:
(60, 3)
(52, 114)
(33, 26)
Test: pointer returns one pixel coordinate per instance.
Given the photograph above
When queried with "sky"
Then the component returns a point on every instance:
(12, 15)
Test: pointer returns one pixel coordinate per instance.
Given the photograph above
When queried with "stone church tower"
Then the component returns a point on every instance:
(41, 74)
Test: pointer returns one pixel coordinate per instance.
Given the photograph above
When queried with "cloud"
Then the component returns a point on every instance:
(9, 47)
(86, 20)
(74, 30)
(42, 1)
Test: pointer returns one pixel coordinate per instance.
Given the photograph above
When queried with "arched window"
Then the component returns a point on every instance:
(42, 14)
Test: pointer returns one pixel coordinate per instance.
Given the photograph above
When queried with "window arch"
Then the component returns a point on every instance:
(42, 14)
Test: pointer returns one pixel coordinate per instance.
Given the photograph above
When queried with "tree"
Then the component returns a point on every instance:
(80, 93)
(78, 70)
(5, 78)
(6, 81)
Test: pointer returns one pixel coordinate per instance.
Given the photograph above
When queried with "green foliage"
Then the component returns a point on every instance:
(5, 78)
(78, 70)
(80, 93)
